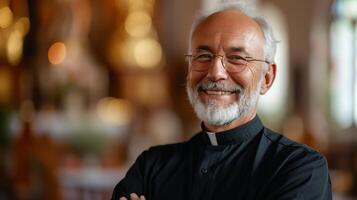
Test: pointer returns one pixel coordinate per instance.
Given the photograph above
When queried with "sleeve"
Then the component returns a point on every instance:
(303, 178)
(134, 180)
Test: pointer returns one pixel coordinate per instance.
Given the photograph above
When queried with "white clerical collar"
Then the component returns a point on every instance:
(212, 137)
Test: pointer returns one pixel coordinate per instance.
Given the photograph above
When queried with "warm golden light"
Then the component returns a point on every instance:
(14, 48)
(147, 53)
(22, 25)
(138, 24)
(57, 53)
(114, 111)
(6, 17)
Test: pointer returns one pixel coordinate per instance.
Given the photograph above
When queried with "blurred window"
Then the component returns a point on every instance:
(344, 56)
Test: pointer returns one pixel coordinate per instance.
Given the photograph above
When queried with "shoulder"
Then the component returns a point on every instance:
(291, 157)
(296, 170)
(293, 153)
(284, 143)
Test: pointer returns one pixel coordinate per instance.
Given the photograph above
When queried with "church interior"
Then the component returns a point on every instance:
(87, 85)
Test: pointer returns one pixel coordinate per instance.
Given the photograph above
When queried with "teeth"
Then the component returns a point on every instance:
(217, 92)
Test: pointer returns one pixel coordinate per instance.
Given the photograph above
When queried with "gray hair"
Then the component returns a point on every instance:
(270, 41)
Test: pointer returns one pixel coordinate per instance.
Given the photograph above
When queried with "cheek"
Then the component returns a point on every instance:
(242, 79)
(247, 79)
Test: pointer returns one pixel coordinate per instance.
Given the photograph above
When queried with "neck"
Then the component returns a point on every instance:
(238, 122)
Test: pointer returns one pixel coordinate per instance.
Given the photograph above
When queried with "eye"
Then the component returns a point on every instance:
(236, 59)
(203, 57)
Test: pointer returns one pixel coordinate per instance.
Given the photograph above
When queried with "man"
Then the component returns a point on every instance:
(234, 156)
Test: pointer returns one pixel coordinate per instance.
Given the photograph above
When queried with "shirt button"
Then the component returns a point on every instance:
(204, 171)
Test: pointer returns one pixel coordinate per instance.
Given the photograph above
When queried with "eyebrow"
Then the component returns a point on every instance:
(239, 50)
(203, 48)
(231, 49)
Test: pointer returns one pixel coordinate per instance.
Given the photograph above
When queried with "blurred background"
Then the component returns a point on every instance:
(86, 85)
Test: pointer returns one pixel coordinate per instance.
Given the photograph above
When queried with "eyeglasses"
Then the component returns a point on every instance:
(232, 63)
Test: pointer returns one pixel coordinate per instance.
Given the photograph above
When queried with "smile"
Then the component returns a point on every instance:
(218, 92)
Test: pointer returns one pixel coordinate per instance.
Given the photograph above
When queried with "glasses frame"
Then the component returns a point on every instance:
(223, 58)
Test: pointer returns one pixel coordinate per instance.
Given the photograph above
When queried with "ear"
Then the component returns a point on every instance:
(268, 78)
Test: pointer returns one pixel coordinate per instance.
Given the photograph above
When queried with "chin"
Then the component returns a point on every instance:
(217, 103)
(220, 112)
(216, 113)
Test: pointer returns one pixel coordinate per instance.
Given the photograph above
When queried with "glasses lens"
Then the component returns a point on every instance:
(201, 62)
(232, 68)
(236, 63)
(199, 66)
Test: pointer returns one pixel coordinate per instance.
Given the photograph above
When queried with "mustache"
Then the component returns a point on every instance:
(219, 85)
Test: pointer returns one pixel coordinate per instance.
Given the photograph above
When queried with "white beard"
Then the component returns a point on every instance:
(214, 114)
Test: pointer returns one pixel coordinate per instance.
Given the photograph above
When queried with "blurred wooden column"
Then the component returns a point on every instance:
(309, 55)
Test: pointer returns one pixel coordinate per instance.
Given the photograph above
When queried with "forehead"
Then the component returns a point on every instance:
(229, 29)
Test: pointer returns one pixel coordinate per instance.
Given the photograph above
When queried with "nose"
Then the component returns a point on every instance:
(217, 71)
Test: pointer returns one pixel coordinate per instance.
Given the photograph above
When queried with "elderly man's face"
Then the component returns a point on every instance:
(217, 95)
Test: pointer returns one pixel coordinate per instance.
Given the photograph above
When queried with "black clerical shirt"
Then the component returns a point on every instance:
(245, 163)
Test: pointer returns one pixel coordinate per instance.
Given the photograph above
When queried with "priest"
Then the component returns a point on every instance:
(231, 63)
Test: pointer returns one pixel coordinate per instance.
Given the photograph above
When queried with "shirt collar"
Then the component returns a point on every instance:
(236, 135)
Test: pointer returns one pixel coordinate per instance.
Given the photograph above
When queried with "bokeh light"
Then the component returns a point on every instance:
(148, 53)
(114, 111)
(57, 53)
(14, 47)
(6, 17)
(22, 25)
(138, 24)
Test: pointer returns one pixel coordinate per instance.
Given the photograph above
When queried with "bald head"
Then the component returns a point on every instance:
(238, 18)
(228, 19)
(227, 30)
